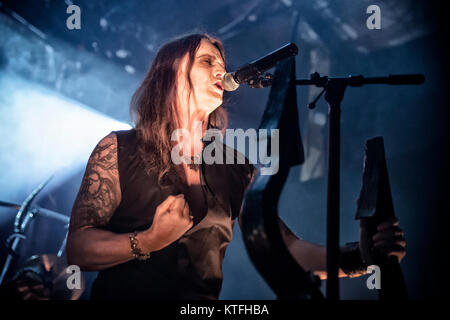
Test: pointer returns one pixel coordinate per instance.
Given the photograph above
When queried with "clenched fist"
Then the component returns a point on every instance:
(170, 222)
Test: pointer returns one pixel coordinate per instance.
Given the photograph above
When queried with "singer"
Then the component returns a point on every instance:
(156, 230)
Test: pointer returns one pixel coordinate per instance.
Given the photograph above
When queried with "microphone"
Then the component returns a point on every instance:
(252, 70)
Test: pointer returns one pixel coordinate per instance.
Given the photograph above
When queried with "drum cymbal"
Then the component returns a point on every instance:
(39, 211)
(44, 277)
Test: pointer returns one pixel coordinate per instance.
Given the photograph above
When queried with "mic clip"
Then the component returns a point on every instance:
(261, 82)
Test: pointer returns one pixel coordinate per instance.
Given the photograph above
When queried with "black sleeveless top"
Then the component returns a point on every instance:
(191, 267)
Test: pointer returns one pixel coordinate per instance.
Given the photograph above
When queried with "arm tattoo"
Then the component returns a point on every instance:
(99, 193)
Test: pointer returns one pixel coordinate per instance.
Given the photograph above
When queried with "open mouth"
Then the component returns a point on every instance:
(219, 85)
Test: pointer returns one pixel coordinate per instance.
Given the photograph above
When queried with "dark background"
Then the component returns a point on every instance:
(100, 66)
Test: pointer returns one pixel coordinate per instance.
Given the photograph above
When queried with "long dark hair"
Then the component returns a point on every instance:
(153, 106)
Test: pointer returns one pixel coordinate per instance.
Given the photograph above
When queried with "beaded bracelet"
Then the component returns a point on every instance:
(135, 250)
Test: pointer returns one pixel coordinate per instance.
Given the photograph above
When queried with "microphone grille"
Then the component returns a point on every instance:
(229, 83)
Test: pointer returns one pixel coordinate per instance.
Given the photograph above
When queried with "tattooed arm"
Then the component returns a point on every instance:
(89, 246)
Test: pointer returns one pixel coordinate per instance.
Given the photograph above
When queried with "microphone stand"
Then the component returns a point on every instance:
(334, 89)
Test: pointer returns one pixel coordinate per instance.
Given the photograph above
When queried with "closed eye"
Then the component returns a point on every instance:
(210, 60)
